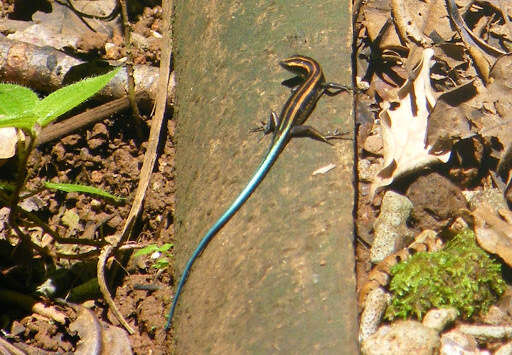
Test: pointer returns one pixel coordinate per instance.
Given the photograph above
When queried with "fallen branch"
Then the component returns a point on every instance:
(44, 70)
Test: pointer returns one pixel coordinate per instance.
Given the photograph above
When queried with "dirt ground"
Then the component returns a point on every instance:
(108, 155)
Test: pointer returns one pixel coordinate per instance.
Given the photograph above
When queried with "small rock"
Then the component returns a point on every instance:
(70, 219)
(99, 129)
(92, 41)
(366, 170)
(505, 301)
(98, 136)
(112, 51)
(17, 328)
(71, 140)
(486, 333)
(403, 337)
(140, 41)
(126, 163)
(436, 200)
(96, 203)
(439, 318)
(492, 197)
(96, 177)
(504, 349)
(59, 151)
(455, 342)
(95, 143)
(496, 316)
(115, 222)
(373, 144)
(391, 232)
(374, 307)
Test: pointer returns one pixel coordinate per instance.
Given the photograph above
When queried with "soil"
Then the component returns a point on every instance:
(107, 155)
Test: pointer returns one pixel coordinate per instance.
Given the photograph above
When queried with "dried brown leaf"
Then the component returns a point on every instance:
(404, 128)
(493, 233)
(62, 28)
(97, 337)
(374, 20)
(448, 121)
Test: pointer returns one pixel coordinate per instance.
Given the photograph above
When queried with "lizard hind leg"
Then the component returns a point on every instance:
(273, 122)
(308, 131)
(333, 89)
(337, 134)
(270, 126)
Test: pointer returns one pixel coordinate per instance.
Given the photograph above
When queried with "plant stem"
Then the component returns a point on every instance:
(24, 153)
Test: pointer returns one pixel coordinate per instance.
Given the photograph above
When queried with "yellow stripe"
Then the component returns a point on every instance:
(313, 76)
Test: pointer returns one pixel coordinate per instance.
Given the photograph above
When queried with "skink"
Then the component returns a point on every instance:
(285, 126)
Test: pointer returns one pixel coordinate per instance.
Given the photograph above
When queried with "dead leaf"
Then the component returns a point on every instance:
(404, 128)
(97, 337)
(9, 138)
(497, 119)
(62, 28)
(448, 122)
(452, 54)
(493, 233)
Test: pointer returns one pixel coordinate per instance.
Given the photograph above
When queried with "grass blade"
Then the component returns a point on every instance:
(83, 189)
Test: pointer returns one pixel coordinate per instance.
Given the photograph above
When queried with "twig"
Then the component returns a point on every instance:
(156, 125)
(29, 304)
(129, 56)
(105, 253)
(81, 120)
(23, 154)
(149, 157)
(22, 64)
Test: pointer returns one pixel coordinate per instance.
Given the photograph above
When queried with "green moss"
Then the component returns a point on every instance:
(461, 275)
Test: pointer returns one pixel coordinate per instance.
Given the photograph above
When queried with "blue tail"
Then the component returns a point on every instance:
(273, 152)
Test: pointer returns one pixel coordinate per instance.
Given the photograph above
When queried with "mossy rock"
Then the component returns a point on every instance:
(461, 275)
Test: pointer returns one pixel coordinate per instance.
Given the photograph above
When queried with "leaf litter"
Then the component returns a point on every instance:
(439, 76)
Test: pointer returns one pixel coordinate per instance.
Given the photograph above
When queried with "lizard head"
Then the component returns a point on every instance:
(300, 65)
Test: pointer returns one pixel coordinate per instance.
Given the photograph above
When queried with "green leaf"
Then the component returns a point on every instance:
(82, 188)
(68, 97)
(150, 249)
(16, 99)
(23, 120)
(165, 247)
(7, 186)
(161, 263)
